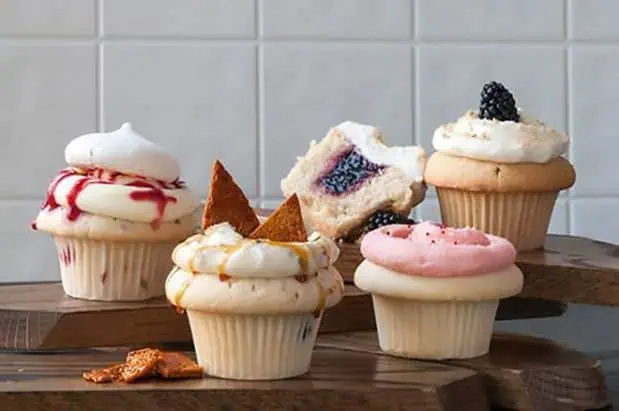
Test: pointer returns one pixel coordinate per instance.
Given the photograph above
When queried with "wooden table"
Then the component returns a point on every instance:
(349, 372)
(338, 380)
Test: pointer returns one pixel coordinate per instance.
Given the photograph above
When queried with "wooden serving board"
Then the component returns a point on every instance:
(568, 269)
(520, 372)
(42, 317)
(338, 380)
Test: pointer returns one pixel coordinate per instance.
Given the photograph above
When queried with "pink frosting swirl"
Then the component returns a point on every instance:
(430, 249)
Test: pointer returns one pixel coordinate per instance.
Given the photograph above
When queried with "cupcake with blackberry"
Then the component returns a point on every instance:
(499, 170)
(351, 181)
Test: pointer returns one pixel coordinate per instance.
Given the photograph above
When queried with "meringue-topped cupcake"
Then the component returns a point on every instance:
(115, 214)
(499, 170)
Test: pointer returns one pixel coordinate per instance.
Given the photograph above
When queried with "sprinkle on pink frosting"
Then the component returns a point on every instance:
(430, 249)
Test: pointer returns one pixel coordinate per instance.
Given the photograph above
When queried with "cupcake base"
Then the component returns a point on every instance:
(253, 347)
(434, 330)
(113, 271)
(500, 214)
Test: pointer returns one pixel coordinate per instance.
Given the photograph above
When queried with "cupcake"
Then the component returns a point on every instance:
(436, 289)
(116, 213)
(499, 170)
(254, 293)
(351, 180)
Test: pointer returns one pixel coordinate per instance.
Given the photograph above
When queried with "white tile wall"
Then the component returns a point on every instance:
(309, 87)
(485, 20)
(53, 18)
(252, 81)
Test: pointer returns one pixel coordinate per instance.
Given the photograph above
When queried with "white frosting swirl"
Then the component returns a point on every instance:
(376, 279)
(527, 141)
(255, 295)
(120, 175)
(122, 150)
(220, 271)
(410, 159)
(124, 201)
(221, 250)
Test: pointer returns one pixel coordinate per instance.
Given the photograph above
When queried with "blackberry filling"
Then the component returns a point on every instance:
(350, 170)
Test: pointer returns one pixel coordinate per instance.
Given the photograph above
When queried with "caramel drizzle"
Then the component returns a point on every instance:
(228, 251)
(179, 295)
(322, 299)
(298, 250)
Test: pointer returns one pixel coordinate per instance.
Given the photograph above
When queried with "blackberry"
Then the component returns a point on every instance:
(384, 217)
(351, 169)
(497, 103)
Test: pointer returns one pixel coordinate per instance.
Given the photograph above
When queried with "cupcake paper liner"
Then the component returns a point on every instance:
(522, 218)
(113, 271)
(253, 347)
(434, 330)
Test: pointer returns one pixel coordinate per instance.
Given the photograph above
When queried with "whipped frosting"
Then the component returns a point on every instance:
(220, 271)
(122, 150)
(526, 141)
(434, 250)
(502, 283)
(120, 175)
(120, 196)
(370, 141)
(221, 250)
(209, 293)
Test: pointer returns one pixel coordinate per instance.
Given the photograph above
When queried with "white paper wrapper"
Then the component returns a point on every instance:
(253, 347)
(434, 330)
(113, 271)
(522, 218)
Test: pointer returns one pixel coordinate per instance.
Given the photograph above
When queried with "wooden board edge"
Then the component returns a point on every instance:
(578, 385)
(46, 330)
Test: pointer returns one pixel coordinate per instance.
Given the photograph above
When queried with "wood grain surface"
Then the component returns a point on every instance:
(42, 317)
(338, 380)
(520, 372)
(569, 269)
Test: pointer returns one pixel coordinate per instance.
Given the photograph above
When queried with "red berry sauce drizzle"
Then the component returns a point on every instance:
(66, 256)
(154, 193)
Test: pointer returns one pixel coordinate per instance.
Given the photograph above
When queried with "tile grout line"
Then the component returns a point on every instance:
(99, 64)
(416, 110)
(258, 21)
(568, 111)
(304, 41)
(415, 98)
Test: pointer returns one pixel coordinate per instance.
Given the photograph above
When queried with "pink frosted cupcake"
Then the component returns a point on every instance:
(436, 289)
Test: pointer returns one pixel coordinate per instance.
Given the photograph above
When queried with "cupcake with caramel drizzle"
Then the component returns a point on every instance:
(254, 293)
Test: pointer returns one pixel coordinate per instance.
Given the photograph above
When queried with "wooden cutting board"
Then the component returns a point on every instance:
(339, 380)
(42, 317)
(520, 372)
